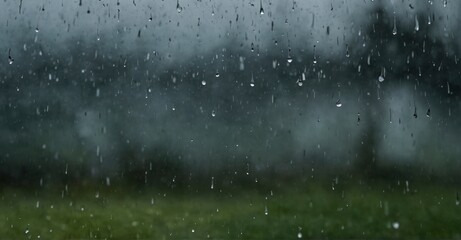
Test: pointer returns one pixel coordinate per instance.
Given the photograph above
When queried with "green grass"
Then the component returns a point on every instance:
(305, 211)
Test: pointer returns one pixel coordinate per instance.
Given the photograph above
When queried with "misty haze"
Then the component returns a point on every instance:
(250, 119)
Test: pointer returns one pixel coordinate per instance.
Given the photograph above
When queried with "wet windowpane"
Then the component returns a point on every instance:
(250, 119)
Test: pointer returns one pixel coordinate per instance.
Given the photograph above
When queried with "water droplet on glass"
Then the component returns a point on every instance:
(381, 78)
(338, 103)
(428, 112)
(394, 30)
(178, 7)
(266, 211)
(217, 74)
(300, 82)
(416, 23)
(289, 59)
(213, 113)
(10, 58)
(37, 30)
(300, 235)
(395, 225)
(261, 10)
(203, 82)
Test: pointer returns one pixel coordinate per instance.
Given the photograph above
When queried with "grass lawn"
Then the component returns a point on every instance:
(285, 212)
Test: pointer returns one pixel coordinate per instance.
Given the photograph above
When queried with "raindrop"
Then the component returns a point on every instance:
(212, 183)
(315, 57)
(10, 59)
(300, 82)
(252, 81)
(415, 114)
(428, 112)
(394, 30)
(338, 103)
(300, 235)
(266, 211)
(217, 74)
(261, 10)
(457, 198)
(213, 113)
(347, 51)
(390, 115)
(395, 225)
(178, 7)
(416, 23)
(358, 118)
(289, 59)
(37, 30)
(383, 75)
(203, 82)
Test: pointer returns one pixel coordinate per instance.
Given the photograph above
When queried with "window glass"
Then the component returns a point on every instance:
(246, 119)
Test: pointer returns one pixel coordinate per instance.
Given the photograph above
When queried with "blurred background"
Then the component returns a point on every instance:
(231, 100)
